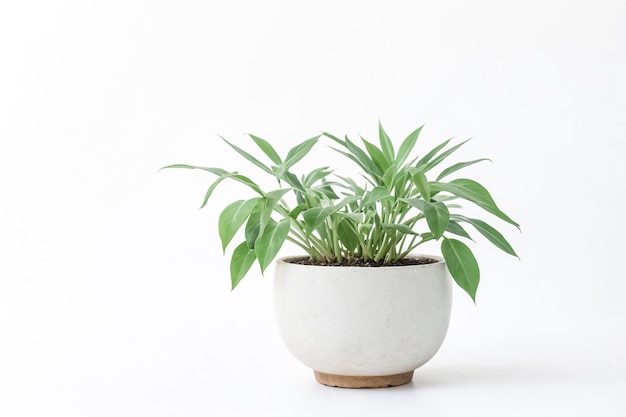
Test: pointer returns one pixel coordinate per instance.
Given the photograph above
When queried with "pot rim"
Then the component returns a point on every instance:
(439, 259)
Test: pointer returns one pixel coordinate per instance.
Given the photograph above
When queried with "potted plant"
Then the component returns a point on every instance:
(358, 306)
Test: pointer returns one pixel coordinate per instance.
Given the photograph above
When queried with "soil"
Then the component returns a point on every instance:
(360, 262)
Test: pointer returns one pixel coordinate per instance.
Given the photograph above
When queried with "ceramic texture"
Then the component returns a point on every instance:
(362, 321)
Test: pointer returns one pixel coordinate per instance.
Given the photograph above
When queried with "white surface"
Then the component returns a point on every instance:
(114, 296)
(362, 321)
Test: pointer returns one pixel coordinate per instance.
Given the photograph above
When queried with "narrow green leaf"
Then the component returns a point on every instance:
(253, 228)
(232, 218)
(364, 167)
(297, 210)
(420, 181)
(385, 143)
(315, 175)
(267, 149)
(368, 164)
(376, 154)
(389, 176)
(249, 157)
(371, 197)
(326, 190)
(334, 138)
(401, 182)
(418, 203)
(426, 237)
(233, 175)
(295, 154)
(293, 181)
(437, 216)
(426, 158)
(212, 188)
(240, 263)
(269, 204)
(459, 166)
(357, 218)
(352, 186)
(217, 171)
(407, 146)
(490, 233)
(455, 228)
(247, 181)
(443, 156)
(472, 191)
(268, 245)
(314, 217)
(462, 265)
(402, 228)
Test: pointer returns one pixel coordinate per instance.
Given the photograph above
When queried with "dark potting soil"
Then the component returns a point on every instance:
(360, 262)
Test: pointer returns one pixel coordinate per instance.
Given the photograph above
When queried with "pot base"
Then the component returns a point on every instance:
(344, 381)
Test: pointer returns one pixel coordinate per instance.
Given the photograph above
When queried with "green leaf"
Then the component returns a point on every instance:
(212, 188)
(457, 229)
(385, 143)
(217, 171)
(240, 263)
(267, 149)
(233, 175)
(426, 237)
(426, 158)
(297, 210)
(389, 176)
(420, 181)
(462, 265)
(293, 181)
(472, 191)
(365, 228)
(407, 146)
(249, 157)
(371, 197)
(402, 228)
(346, 232)
(418, 203)
(233, 217)
(334, 138)
(401, 182)
(295, 154)
(490, 233)
(365, 161)
(223, 174)
(268, 245)
(315, 175)
(376, 154)
(253, 226)
(352, 186)
(443, 156)
(437, 216)
(357, 218)
(371, 171)
(459, 166)
(269, 204)
(326, 190)
(314, 217)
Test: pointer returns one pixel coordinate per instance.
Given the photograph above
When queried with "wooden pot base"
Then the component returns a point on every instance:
(343, 381)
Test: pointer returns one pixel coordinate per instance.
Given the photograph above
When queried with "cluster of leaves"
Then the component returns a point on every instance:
(333, 218)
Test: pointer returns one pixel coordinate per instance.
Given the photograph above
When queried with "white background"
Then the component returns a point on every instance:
(114, 295)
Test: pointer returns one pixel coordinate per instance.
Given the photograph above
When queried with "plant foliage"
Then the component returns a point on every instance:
(383, 218)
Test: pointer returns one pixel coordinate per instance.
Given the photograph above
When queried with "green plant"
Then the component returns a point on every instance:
(333, 218)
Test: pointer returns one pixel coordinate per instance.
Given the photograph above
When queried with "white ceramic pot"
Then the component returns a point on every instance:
(362, 326)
